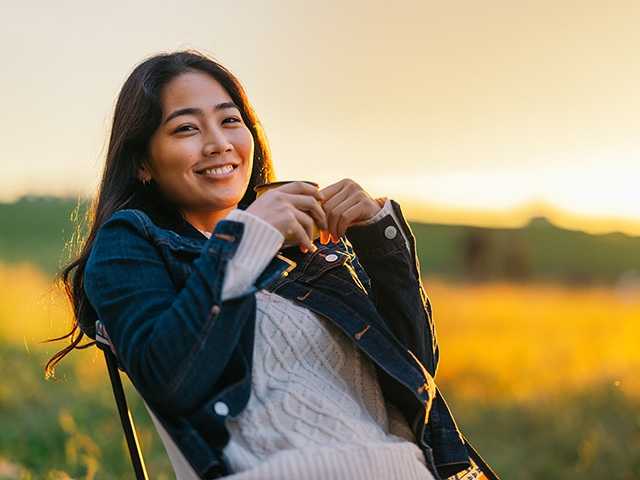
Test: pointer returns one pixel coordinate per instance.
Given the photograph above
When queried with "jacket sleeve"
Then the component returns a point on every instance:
(387, 251)
(173, 344)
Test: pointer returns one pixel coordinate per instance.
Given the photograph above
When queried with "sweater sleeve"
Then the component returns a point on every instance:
(260, 242)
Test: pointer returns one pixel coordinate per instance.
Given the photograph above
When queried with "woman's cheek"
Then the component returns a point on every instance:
(247, 145)
(184, 157)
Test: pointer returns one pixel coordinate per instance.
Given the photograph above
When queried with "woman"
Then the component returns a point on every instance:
(260, 352)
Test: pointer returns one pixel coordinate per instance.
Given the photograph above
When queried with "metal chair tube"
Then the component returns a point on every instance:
(125, 417)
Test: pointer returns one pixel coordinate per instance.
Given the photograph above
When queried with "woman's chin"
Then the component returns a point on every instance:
(225, 203)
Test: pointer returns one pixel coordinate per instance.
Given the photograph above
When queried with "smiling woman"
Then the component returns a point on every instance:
(258, 358)
(127, 181)
(201, 120)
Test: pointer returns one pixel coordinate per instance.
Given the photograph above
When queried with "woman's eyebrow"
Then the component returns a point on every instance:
(198, 111)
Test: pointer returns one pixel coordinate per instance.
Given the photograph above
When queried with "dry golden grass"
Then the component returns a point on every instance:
(497, 340)
(523, 367)
(516, 341)
(31, 307)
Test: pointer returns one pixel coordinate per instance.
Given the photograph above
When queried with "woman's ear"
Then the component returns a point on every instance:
(144, 175)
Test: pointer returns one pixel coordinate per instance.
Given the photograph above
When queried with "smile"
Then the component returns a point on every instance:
(218, 172)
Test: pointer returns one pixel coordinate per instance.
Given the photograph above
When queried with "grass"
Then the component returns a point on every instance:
(40, 226)
(36, 229)
(68, 425)
(540, 378)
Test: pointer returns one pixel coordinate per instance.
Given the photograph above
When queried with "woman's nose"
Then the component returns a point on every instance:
(217, 143)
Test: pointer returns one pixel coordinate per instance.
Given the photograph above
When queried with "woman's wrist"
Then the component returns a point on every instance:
(259, 244)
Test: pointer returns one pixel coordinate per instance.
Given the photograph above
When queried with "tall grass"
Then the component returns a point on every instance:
(540, 378)
(543, 378)
(517, 342)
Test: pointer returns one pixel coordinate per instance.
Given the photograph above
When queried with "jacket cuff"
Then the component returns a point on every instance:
(379, 235)
(258, 245)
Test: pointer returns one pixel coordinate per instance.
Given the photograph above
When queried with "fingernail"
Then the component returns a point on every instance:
(314, 249)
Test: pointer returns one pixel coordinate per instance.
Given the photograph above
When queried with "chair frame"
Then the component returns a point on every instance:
(126, 419)
(131, 436)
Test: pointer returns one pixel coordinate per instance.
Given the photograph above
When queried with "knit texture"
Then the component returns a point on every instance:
(316, 408)
(260, 242)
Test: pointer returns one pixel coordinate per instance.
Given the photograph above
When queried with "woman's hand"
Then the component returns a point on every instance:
(292, 209)
(346, 203)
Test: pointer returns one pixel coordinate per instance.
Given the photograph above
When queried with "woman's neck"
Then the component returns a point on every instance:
(206, 221)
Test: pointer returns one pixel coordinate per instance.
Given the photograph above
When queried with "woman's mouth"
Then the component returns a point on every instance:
(218, 172)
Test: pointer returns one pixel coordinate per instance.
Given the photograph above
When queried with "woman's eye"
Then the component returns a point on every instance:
(232, 120)
(185, 128)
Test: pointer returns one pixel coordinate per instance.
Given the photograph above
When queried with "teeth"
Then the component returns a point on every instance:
(219, 170)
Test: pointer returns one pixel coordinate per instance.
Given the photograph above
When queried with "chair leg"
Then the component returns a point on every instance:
(125, 417)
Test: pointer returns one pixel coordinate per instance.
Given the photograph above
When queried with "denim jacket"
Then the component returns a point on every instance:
(157, 292)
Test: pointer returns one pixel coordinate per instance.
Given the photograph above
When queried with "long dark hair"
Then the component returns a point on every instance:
(137, 115)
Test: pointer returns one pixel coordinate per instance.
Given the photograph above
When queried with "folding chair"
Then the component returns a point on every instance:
(102, 341)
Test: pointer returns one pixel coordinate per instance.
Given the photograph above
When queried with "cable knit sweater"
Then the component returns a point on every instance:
(316, 410)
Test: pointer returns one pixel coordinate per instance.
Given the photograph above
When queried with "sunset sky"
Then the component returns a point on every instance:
(481, 112)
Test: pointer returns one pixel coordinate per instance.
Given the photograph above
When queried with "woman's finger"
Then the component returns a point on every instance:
(341, 221)
(349, 216)
(334, 188)
(302, 188)
(337, 198)
(305, 230)
(312, 207)
(331, 210)
(299, 237)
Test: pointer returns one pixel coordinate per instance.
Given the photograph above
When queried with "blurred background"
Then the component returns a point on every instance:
(506, 130)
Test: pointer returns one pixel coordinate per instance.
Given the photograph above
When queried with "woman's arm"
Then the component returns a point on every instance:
(386, 249)
(175, 345)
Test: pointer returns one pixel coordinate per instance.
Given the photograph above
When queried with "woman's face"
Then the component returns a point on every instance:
(201, 155)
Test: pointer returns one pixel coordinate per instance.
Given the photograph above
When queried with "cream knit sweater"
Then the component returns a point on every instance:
(316, 409)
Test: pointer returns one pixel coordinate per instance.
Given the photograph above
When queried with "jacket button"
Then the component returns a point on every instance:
(390, 232)
(221, 409)
(215, 310)
(332, 257)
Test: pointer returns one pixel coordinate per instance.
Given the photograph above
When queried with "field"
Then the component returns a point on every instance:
(539, 251)
(541, 378)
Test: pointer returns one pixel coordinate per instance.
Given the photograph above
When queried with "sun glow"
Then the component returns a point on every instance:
(597, 200)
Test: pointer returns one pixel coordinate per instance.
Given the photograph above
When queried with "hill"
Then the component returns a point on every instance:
(540, 251)
(35, 229)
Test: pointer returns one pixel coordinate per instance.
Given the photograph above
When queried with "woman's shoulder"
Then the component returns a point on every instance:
(129, 223)
(129, 216)
(132, 234)
(120, 231)
(134, 222)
